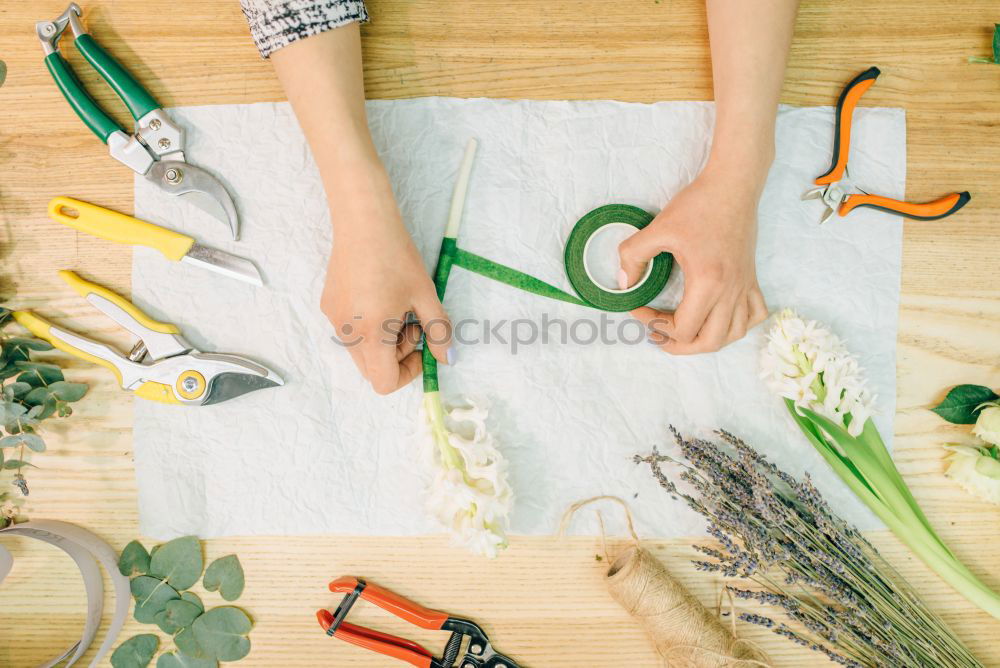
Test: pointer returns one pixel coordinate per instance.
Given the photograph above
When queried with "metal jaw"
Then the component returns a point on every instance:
(49, 32)
(833, 195)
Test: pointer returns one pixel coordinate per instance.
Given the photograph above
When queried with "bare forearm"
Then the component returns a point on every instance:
(323, 80)
(750, 42)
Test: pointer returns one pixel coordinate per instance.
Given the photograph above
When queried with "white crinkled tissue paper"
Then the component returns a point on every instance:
(325, 454)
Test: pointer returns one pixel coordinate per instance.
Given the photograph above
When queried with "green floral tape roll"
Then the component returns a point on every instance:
(599, 296)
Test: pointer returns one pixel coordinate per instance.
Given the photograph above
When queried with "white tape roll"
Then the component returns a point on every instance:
(87, 550)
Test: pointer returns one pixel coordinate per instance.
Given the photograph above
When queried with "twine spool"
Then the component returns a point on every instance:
(684, 632)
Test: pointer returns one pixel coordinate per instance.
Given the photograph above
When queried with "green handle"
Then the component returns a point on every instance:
(135, 97)
(99, 122)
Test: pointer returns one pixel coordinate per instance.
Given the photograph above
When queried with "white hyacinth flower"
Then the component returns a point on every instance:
(976, 471)
(808, 364)
(469, 493)
(988, 423)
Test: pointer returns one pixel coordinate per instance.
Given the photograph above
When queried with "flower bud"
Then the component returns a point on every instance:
(988, 424)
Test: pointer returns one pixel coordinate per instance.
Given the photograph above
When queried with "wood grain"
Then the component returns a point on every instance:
(543, 602)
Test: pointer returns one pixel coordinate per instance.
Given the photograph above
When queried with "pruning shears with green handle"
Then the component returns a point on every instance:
(156, 148)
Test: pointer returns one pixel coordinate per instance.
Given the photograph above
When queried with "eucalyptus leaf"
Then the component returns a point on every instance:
(188, 644)
(39, 374)
(67, 391)
(961, 404)
(136, 652)
(16, 389)
(151, 596)
(221, 633)
(225, 575)
(181, 660)
(996, 43)
(176, 615)
(179, 562)
(8, 371)
(10, 441)
(192, 597)
(29, 343)
(37, 396)
(33, 441)
(134, 560)
(48, 407)
(11, 464)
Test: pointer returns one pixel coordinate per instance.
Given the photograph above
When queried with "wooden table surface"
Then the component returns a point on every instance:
(543, 601)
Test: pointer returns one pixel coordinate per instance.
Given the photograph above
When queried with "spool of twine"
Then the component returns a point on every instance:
(684, 632)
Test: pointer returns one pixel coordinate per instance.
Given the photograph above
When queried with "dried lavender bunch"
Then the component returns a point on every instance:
(839, 597)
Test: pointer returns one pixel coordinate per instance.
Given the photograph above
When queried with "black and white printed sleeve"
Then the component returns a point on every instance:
(278, 23)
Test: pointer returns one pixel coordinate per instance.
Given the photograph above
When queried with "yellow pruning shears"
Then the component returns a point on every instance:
(162, 366)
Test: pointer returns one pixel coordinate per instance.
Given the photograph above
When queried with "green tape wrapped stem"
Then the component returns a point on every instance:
(446, 259)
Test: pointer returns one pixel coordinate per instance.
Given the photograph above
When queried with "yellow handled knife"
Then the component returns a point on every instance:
(123, 229)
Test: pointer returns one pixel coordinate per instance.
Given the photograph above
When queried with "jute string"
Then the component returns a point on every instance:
(685, 633)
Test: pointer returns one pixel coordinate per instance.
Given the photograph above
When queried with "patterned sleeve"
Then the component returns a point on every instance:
(278, 23)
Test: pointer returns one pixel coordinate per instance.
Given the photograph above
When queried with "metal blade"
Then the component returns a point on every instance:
(203, 190)
(815, 193)
(224, 263)
(230, 385)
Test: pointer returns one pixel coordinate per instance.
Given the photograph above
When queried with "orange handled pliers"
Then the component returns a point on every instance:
(478, 651)
(835, 187)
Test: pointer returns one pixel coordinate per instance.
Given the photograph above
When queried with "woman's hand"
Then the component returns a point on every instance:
(375, 278)
(710, 227)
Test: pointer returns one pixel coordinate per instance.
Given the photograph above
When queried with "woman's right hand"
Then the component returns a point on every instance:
(375, 278)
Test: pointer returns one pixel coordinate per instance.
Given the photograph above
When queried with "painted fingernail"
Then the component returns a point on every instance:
(622, 280)
(450, 356)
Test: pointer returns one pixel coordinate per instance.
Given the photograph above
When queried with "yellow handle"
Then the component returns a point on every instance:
(118, 227)
(41, 328)
(85, 288)
(154, 391)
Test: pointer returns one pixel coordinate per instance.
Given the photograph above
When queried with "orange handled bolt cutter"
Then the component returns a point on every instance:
(835, 185)
(478, 651)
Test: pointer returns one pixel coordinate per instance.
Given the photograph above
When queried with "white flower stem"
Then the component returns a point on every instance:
(461, 188)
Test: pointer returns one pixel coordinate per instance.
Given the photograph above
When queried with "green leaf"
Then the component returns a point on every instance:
(136, 652)
(39, 374)
(134, 560)
(16, 389)
(28, 343)
(959, 407)
(48, 408)
(225, 575)
(11, 464)
(996, 43)
(10, 441)
(37, 396)
(67, 391)
(188, 644)
(176, 616)
(33, 441)
(9, 371)
(179, 562)
(221, 633)
(192, 597)
(181, 660)
(151, 596)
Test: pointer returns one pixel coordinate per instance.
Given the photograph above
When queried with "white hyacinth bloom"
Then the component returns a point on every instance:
(808, 364)
(469, 493)
(976, 471)
(988, 423)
